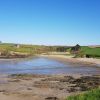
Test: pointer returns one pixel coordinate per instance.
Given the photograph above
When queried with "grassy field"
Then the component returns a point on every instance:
(35, 49)
(91, 95)
(31, 49)
(92, 52)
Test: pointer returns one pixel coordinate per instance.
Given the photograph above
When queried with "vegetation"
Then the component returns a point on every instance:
(91, 95)
(85, 51)
(91, 52)
(79, 51)
(7, 48)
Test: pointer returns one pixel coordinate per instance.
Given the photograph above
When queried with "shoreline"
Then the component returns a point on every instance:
(63, 58)
(34, 87)
(70, 59)
(7, 59)
(47, 87)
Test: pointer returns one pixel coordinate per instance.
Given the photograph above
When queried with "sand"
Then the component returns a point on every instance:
(48, 87)
(70, 59)
(44, 87)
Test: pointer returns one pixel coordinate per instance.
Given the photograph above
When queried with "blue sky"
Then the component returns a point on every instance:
(50, 22)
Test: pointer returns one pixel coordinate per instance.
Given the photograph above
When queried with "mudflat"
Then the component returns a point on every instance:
(47, 87)
(44, 87)
(74, 60)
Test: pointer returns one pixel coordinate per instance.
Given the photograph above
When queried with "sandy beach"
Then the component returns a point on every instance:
(48, 87)
(44, 87)
(64, 58)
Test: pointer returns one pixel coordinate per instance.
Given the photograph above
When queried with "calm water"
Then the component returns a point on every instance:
(42, 65)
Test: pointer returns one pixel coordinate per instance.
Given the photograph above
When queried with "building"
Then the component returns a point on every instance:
(75, 49)
(17, 45)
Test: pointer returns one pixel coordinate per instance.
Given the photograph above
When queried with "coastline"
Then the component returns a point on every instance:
(8, 59)
(70, 59)
(63, 58)
(44, 87)
(47, 87)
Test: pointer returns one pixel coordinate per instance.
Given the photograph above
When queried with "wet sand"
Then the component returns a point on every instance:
(47, 87)
(44, 87)
(70, 59)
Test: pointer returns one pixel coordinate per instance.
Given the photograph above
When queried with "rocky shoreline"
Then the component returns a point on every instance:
(46, 87)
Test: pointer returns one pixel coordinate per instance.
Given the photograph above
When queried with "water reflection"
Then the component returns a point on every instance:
(42, 65)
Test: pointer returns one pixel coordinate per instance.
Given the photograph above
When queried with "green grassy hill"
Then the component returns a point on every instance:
(92, 52)
(91, 95)
(31, 49)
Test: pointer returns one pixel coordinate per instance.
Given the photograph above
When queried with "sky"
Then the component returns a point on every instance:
(50, 22)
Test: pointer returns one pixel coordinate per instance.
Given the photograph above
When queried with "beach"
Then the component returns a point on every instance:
(49, 87)
(44, 87)
(64, 58)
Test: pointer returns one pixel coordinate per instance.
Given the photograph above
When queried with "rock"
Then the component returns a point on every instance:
(14, 80)
(51, 98)
(86, 83)
(2, 90)
(29, 88)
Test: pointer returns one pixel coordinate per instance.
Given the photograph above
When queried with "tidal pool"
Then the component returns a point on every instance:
(41, 65)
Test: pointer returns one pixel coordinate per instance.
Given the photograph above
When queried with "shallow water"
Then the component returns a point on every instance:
(40, 65)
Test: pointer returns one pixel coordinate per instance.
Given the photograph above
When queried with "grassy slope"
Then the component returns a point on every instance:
(23, 48)
(94, 52)
(91, 95)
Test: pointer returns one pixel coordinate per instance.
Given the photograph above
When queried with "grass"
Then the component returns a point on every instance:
(30, 49)
(35, 49)
(91, 95)
(92, 52)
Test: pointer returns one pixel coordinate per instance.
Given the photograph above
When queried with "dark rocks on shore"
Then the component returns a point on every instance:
(14, 80)
(60, 79)
(85, 83)
(62, 83)
(2, 91)
(69, 83)
(51, 98)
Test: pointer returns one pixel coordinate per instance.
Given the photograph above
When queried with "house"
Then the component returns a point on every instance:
(75, 49)
(17, 45)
